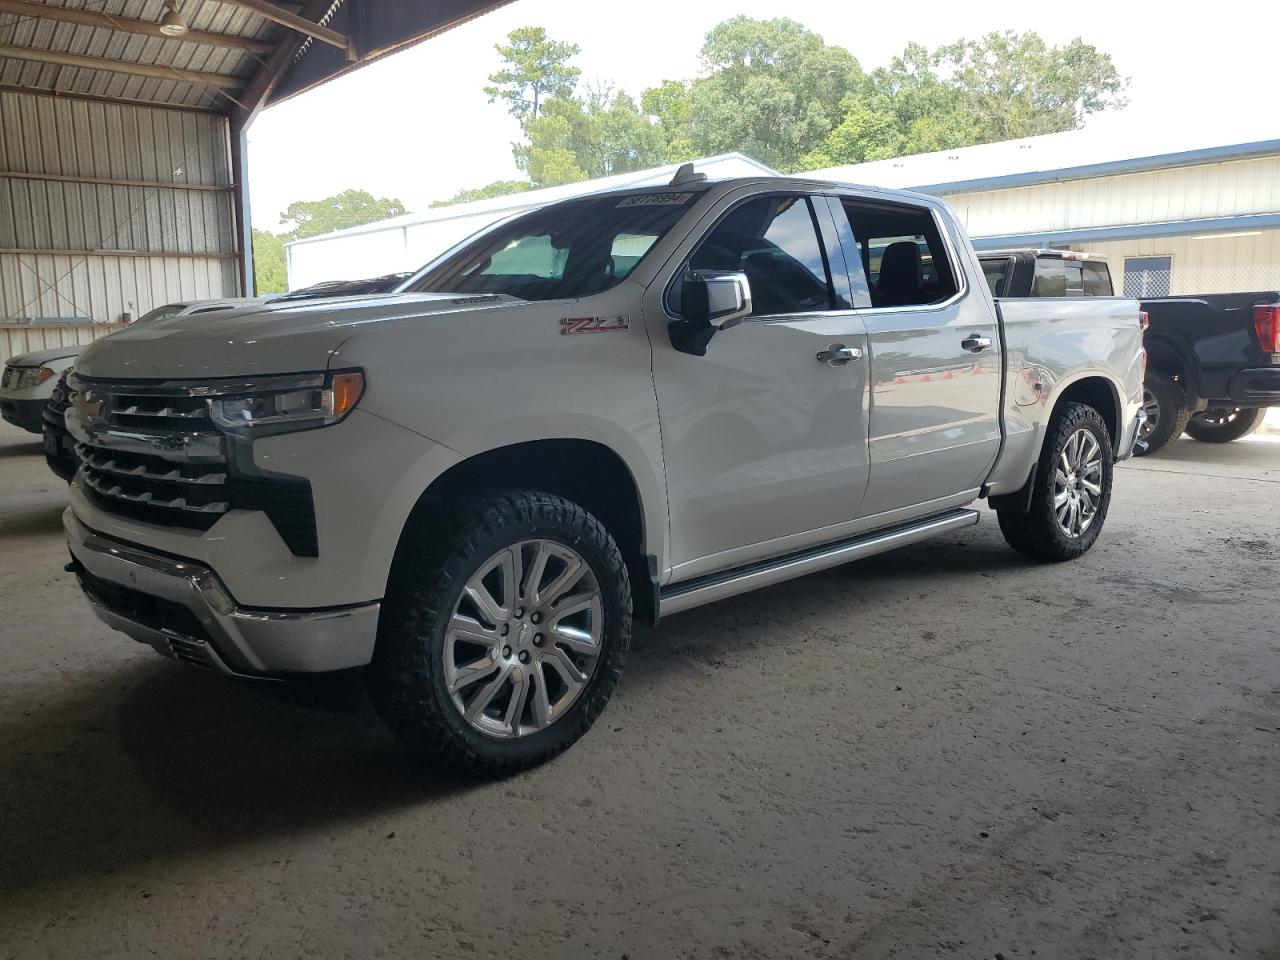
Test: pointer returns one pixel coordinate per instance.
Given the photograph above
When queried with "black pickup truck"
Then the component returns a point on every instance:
(1213, 361)
(1213, 365)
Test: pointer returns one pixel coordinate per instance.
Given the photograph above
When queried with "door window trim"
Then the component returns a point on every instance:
(961, 276)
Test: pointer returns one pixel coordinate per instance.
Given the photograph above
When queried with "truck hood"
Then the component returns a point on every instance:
(272, 339)
(37, 358)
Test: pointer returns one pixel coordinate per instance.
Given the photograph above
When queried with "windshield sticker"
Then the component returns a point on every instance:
(656, 200)
(573, 325)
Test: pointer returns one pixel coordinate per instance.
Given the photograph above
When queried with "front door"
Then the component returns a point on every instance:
(764, 443)
(934, 363)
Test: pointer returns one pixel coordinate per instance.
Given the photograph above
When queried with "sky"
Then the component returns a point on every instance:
(417, 125)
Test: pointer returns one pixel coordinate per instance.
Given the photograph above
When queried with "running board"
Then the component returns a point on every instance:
(718, 586)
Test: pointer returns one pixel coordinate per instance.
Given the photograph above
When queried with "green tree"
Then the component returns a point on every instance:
(1003, 86)
(597, 136)
(1016, 85)
(350, 208)
(869, 131)
(270, 273)
(499, 188)
(773, 90)
(536, 70)
(667, 107)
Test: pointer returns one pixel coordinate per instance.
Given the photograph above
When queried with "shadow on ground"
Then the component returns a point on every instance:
(151, 759)
(44, 518)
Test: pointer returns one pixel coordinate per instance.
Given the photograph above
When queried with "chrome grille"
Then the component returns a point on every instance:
(159, 412)
(155, 456)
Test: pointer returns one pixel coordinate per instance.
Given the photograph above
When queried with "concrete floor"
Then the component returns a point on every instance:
(946, 751)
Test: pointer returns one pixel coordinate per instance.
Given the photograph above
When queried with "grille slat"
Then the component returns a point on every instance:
(103, 460)
(152, 412)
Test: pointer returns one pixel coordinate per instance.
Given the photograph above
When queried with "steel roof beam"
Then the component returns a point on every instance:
(154, 70)
(294, 21)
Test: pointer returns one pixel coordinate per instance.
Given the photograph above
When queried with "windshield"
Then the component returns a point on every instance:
(572, 249)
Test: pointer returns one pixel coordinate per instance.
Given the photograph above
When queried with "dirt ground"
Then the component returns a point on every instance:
(943, 752)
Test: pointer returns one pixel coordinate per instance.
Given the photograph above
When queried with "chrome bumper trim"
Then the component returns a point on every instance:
(1130, 442)
(240, 642)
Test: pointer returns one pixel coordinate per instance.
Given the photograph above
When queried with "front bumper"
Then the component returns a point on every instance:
(183, 611)
(26, 414)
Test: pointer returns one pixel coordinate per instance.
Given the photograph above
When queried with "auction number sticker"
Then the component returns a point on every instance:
(656, 200)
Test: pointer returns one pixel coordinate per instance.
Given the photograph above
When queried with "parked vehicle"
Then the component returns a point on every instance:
(42, 409)
(348, 288)
(628, 404)
(1045, 273)
(1214, 366)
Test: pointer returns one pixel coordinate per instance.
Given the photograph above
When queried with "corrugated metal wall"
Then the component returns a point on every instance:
(108, 209)
(1226, 189)
(1226, 264)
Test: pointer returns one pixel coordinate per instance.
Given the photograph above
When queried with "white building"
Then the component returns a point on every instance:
(1171, 215)
(408, 242)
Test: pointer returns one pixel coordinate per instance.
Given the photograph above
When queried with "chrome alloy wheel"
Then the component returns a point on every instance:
(1077, 483)
(1151, 406)
(524, 638)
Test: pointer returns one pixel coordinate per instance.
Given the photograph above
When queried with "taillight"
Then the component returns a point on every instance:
(1144, 321)
(1266, 324)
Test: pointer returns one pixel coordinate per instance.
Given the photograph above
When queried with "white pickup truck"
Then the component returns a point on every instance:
(618, 406)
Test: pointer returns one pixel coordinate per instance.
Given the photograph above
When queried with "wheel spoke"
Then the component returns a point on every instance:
(468, 674)
(537, 569)
(515, 706)
(472, 631)
(574, 571)
(486, 694)
(563, 664)
(540, 706)
(1094, 489)
(1060, 498)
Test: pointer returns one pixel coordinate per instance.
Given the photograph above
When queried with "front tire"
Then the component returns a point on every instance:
(503, 634)
(1224, 424)
(1072, 489)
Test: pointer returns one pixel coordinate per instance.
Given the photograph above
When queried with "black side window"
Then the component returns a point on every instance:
(902, 253)
(1097, 279)
(774, 241)
(996, 273)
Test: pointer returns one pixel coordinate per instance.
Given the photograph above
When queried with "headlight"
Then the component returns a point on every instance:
(289, 403)
(31, 377)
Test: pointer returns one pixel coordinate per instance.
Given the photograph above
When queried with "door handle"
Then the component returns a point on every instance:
(837, 355)
(975, 344)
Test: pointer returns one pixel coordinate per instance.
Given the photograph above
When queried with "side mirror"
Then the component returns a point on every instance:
(719, 300)
(709, 302)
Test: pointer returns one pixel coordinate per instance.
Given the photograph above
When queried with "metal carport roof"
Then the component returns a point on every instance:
(236, 56)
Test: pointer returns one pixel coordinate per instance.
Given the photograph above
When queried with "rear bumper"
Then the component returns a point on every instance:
(26, 414)
(1258, 387)
(184, 612)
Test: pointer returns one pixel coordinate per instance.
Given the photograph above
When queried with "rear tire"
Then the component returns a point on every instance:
(1071, 489)
(1224, 424)
(503, 634)
(1167, 412)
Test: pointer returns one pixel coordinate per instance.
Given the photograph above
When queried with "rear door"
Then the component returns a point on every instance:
(935, 361)
(764, 442)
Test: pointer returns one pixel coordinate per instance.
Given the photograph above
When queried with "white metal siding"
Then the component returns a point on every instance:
(1217, 265)
(1232, 188)
(160, 229)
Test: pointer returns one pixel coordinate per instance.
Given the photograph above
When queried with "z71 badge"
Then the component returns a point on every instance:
(570, 325)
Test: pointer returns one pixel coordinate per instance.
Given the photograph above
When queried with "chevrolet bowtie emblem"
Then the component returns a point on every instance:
(88, 405)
